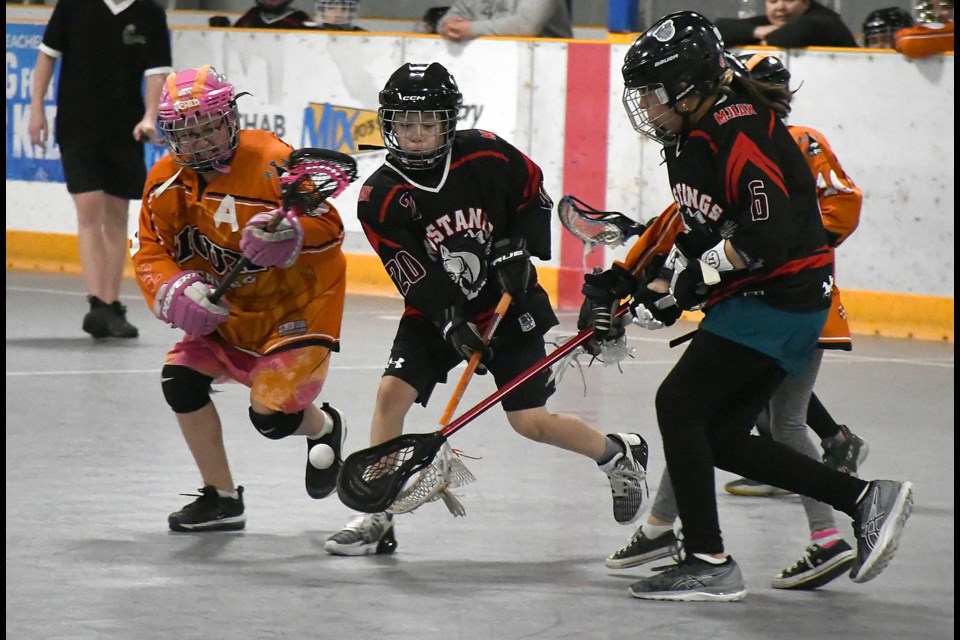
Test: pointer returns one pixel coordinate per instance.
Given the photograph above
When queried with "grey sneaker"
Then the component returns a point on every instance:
(748, 487)
(322, 482)
(818, 566)
(641, 550)
(878, 524)
(694, 580)
(847, 456)
(365, 535)
(627, 473)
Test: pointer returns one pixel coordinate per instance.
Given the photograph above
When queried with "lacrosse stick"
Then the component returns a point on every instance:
(447, 472)
(309, 177)
(372, 479)
(594, 227)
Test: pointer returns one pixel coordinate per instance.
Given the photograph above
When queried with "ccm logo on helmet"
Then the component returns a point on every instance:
(412, 98)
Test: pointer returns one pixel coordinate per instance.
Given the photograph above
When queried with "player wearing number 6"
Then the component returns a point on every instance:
(755, 257)
(220, 198)
(456, 217)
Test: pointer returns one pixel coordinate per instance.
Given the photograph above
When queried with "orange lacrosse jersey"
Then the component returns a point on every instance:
(923, 40)
(840, 203)
(185, 225)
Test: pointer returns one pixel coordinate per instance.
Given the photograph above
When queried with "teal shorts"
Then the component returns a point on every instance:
(787, 337)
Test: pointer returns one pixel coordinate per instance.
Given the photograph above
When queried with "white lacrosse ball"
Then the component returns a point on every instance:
(321, 456)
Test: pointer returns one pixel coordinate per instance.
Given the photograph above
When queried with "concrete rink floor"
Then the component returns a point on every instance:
(95, 462)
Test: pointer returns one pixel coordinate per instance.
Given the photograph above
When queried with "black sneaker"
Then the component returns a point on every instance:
(117, 323)
(641, 550)
(97, 320)
(818, 566)
(210, 512)
(694, 580)
(878, 524)
(322, 482)
(846, 456)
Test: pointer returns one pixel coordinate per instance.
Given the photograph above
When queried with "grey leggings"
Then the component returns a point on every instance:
(785, 420)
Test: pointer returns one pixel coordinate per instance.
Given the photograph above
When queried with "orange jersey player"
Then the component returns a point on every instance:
(213, 201)
(932, 33)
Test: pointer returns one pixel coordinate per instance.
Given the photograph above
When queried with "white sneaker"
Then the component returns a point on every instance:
(365, 535)
(627, 473)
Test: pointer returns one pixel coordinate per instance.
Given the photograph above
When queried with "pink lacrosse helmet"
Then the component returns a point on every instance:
(199, 120)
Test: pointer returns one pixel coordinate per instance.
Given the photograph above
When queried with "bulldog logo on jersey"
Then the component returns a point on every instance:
(465, 268)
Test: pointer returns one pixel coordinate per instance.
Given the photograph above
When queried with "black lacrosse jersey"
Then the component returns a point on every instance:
(257, 18)
(434, 230)
(103, 58)
(739, 175)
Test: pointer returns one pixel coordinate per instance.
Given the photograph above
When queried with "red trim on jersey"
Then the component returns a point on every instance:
(745, 151)
(375, 239)
(479, 154)
(706, 138)
(821, 257)
(584, 156)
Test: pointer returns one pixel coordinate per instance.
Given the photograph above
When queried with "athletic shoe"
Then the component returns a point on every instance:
(627, 473)
(641, 550)
(752, 488)
(117, 322)
(322, 482)
(694, 580)
(878, 524)
(818, 566)
(364, 536)
(96, 322)
(846, 456)
(210, 512)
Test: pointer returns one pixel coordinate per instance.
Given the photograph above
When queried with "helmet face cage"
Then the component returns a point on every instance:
(418, 114)
(339, 12)
(680, 55)
(199, 120)
(881, 25)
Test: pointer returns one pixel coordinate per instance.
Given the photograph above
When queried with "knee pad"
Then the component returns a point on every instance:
(184, 389)
(278, 425)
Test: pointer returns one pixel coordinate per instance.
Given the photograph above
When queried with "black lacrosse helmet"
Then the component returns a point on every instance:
(766, 68)
(414, 94)
(880, 25)
(683, 51)
(681, 54)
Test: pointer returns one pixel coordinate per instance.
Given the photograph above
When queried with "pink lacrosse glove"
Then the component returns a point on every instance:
(277, 248)
(184, 302)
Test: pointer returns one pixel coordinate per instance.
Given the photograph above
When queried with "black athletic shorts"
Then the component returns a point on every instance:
(422, 358)
(116, 168)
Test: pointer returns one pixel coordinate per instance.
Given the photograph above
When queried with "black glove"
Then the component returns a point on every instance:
(693, 244)
(463, 336)
(690, 290)
(602, 294)
(654, 310)
(511, 262)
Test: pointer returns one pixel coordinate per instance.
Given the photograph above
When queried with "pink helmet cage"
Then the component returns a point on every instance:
(191, 100)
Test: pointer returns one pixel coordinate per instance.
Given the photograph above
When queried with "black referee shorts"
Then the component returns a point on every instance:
(116, 167)
(422, 358)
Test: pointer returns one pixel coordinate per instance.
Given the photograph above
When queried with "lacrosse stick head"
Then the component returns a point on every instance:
(198, 119)
(594, 227)
(435, 482)
(312, 175)
(371, 479)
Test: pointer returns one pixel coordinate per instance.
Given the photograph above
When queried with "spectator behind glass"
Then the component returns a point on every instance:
(273, 14)
(788, 24)
(469, 19)
(336, 15)
(933, 32)
(431, 18)
(882, 24)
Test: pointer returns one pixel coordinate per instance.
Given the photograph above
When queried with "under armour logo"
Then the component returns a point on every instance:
(396, 363)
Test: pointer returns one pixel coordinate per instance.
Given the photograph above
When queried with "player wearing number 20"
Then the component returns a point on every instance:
(455, 217)
(210, 202)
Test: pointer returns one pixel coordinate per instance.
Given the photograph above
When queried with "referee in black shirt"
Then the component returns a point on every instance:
(106, 48)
